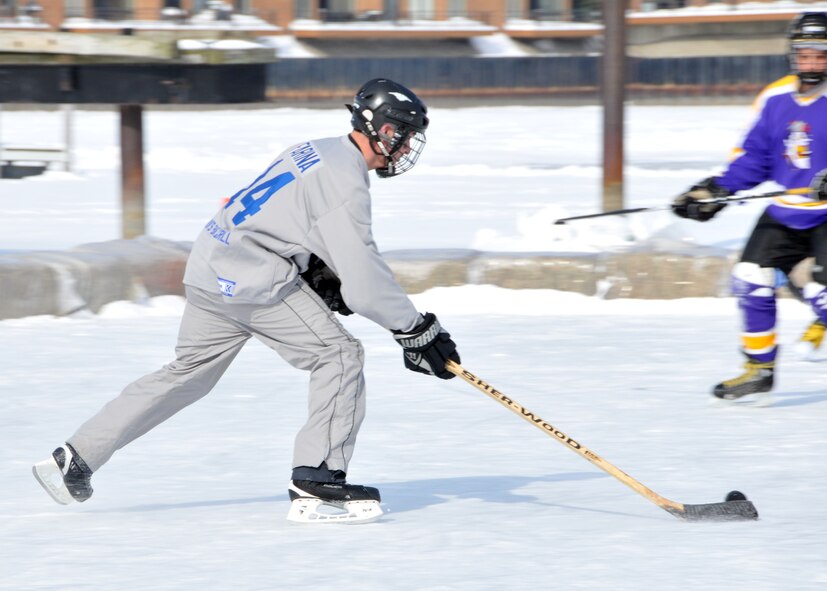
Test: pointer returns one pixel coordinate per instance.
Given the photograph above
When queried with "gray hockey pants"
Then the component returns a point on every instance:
(300, 328)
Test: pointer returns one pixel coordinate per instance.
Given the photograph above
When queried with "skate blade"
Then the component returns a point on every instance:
(805, 351)
(756, 399)
(309, 510)
(48, 474)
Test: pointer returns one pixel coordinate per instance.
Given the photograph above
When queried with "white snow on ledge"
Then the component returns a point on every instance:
(719, 9)
(521, 24)
(287, 46)
(220, 44)
(497, 45)
(236, 24)
(399, 25)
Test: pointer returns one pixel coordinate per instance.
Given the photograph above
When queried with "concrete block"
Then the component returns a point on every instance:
(29, 287)
(90, 275)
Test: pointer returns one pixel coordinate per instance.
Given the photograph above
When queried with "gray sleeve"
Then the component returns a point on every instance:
(368, 285)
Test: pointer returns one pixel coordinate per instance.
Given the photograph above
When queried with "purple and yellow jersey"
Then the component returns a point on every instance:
(786, 143)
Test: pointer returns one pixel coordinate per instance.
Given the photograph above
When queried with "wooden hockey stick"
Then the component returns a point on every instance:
(736, 510)
(732, 199)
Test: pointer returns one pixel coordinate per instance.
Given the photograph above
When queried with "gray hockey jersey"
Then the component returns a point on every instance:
(314, 198)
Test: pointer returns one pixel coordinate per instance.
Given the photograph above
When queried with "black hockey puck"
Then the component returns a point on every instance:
(735, 495)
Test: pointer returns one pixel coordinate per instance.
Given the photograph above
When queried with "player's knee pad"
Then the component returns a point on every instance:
(750, 279)
(813, 289)
(755, 287)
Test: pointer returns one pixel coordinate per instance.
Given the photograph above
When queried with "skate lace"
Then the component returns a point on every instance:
(753, 371)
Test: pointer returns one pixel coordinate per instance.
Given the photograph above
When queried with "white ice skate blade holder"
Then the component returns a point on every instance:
(756, 400)
(311, 510)
(50, 477)
(805, 351)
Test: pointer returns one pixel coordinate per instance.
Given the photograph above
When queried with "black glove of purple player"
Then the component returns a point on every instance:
(427, 347)
(818, 186)
(325, 283)
(690, 204)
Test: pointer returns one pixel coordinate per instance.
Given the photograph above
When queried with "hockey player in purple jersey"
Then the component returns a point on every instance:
(288, 250)
(787, 144)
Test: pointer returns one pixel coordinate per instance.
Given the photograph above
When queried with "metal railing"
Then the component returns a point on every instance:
(551, 77)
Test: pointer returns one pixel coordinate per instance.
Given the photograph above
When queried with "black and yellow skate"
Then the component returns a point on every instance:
(756, 379)
(811, 340)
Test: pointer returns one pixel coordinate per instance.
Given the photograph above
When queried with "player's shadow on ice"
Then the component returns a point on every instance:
(149, 507)
(400, 497)
(797, 398)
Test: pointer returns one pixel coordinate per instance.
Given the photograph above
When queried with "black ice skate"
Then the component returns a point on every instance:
(332, 502)
(748, 387)
(65, 476)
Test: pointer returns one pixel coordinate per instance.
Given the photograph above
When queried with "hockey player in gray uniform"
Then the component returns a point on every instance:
(275, 262)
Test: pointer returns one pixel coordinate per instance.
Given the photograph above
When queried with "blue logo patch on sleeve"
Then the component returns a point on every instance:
(226, 286)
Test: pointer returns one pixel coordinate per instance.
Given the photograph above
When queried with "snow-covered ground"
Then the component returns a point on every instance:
(476, 499)
(490, 178)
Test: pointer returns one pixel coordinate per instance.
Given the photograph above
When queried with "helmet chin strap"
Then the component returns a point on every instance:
(376, 140)
(384, 152)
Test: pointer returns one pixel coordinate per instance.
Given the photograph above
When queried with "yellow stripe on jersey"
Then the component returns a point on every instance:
(803, 201)
(787, 203)
(783, 85)
(786, 85)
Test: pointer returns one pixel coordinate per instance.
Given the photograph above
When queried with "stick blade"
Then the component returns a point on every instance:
(726, 511)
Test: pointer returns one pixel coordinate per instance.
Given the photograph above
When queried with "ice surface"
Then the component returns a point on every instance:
(476, 498)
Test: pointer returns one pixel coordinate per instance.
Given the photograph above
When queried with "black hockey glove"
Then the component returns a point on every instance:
(688, 205)
(818, 186)
(325, 283)
(427, 347)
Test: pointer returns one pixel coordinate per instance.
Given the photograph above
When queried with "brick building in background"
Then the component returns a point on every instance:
(75, 15)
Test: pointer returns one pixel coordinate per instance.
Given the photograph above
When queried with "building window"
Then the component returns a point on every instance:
(7, 8)
(336, 10)
(421, 9)
(457, 8)
(547, 9)
(114, 10)
(302, 9)
(587, 10)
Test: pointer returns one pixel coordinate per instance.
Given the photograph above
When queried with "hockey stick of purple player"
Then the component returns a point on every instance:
(732, 199)
(736, 510)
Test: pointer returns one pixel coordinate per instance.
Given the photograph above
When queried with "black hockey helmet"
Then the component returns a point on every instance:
(808, 31)
(381, 101)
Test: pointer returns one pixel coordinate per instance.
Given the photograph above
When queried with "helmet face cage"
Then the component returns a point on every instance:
(403, 150)
(382, 102)
(808, 31)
